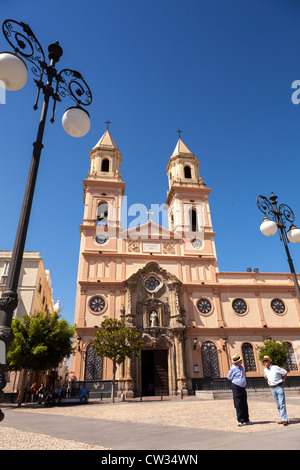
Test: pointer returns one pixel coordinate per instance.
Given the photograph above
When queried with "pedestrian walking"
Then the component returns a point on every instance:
(41, 394)
(33, 392)
(276, 376)
(238, 383)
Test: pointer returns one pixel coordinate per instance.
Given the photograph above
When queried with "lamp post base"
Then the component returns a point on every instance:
(8, 303)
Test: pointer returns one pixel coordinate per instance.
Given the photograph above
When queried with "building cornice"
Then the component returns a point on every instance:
(245, 332)
(184, 188)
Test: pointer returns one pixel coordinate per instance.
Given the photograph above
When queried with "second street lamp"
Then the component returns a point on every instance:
(13, 74)
(275, 218)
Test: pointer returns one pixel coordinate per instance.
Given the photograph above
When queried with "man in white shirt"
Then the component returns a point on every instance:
(275, 376)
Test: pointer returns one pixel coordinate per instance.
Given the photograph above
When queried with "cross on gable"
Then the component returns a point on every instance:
(149, 213)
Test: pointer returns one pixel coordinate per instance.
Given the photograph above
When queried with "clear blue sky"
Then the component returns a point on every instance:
(220, 70)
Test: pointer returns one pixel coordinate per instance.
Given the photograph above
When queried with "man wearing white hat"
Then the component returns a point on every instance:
(276, 376)
(238, 383)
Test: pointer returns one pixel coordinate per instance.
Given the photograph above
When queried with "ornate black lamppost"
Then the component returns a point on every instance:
(275, 217)
(76, 122)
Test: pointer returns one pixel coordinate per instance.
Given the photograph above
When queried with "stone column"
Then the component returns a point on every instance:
(127, 381)
(180, 363)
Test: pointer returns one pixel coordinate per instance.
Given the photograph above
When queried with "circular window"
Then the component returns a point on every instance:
(204, 306)
(152, 283)
(97, 304)
(278, 306)
(239, 306)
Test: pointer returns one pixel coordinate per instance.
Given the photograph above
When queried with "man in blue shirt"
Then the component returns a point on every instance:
(84, 393)
(238, 383)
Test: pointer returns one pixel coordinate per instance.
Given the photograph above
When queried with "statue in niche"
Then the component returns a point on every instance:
(153, 318)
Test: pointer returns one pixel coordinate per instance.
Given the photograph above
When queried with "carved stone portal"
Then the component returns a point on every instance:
(152, 306)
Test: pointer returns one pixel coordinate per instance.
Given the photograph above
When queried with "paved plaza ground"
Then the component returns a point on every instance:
(152, 424)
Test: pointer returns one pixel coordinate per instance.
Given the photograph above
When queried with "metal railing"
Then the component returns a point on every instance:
(225, 384)
(98, 388)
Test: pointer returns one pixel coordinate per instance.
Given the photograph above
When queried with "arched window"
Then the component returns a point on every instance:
(105, 165)
(291, 362)
(193, 220)
(102, 213)
(210, 362)
(93, 365)
(172, 221)
(248, 357)
(187, 172)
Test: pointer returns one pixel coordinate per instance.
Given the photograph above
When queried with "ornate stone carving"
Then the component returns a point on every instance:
(134, 247)
(159, 317)
(6, 335)
(157, 337)
(9, 301)
(162, 297)
(169, 248)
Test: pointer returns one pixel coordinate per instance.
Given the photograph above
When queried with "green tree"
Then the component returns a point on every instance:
(116, 341)
(277, 351)
(41, 342)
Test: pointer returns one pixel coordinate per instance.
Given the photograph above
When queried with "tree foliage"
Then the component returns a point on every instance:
(277, 351)
(41, 341)
(117, 342)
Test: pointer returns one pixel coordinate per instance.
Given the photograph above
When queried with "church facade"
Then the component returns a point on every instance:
(166, 283)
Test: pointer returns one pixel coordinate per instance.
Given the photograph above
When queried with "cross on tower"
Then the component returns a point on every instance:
(179, 132)
(107, 123)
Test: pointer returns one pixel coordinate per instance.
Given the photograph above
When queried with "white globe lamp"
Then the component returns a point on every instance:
(268, 227)
(293, 234)
(76, 121)
(13, 71)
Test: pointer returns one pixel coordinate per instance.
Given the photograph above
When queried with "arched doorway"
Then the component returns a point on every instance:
(154, 373)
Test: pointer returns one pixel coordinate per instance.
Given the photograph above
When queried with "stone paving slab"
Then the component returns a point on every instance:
(170, 425)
